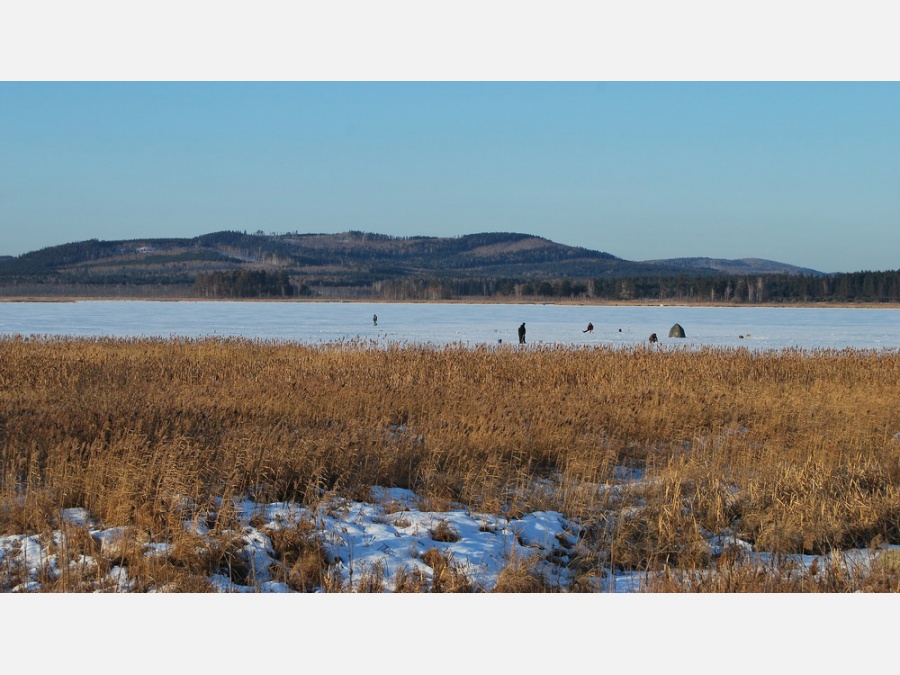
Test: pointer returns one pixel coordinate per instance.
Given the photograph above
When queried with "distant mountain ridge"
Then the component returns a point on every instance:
(739, 266)
(352, 257)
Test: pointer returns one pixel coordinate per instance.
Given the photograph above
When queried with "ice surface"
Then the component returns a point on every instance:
(754, 328)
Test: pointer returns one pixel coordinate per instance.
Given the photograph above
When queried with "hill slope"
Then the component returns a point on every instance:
(347, 258)
(739, 266)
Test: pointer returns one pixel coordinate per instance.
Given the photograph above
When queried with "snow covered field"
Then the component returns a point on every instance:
(470, 324)
(387, 537)
(237, 630)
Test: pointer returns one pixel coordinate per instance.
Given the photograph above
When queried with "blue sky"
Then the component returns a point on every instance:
(800, 172)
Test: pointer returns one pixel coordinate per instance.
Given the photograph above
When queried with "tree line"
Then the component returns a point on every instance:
(729, 288)
(785, 288)
(843, 287)
(246, 284)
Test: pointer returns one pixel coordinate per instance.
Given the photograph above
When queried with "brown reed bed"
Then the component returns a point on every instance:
(792, 451)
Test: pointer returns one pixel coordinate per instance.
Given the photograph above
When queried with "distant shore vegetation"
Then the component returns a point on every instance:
(855, 288)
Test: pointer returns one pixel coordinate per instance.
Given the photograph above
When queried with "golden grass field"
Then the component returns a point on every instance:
(793, 451)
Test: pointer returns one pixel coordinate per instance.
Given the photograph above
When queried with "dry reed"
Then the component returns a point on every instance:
(793, 451)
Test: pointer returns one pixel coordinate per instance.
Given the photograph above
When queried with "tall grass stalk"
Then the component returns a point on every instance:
(792, 451)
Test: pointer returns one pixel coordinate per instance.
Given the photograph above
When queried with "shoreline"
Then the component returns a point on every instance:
(474, 301)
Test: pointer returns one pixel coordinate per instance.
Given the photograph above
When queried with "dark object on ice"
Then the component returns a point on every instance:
(653, 338)
(522, 334)
(375, 319)
(676, 331)
(589, 329)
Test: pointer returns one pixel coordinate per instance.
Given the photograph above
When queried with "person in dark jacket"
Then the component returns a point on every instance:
(522, 334)
(589, 329)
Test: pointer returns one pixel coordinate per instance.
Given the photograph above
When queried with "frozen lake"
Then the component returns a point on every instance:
(468, 324)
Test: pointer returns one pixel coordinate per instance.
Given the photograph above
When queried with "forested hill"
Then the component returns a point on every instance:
(366, 265)
(346, 257)
(342, 258)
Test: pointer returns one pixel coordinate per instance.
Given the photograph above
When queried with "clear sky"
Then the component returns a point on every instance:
(645, 130)
(805, 173)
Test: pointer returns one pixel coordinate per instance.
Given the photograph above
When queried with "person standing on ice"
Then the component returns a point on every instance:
(522, 334)
(375, 319)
